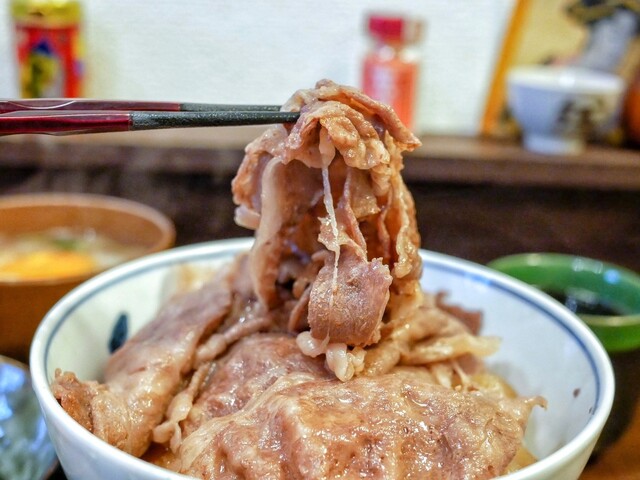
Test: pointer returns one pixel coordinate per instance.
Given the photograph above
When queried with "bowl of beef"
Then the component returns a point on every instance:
(329, 345)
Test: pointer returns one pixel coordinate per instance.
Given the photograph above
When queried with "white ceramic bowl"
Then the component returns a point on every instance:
(546, 350)
(558, 107)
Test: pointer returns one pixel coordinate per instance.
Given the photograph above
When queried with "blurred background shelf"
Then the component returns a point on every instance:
(482, 160)
(447, 159)
(476, 199)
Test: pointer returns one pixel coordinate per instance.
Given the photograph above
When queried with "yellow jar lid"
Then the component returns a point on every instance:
(53, 13)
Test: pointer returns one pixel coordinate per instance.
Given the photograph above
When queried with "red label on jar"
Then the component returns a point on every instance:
(392, 82)
(49, 61)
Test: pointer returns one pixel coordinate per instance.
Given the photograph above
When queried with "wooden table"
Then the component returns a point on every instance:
(622, 460)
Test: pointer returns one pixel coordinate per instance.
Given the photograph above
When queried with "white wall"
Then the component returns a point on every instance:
(261, 51)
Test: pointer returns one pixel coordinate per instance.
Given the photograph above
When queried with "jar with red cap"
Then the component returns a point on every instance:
(391, 65)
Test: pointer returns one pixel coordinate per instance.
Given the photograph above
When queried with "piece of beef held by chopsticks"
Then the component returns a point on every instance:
(335, 224)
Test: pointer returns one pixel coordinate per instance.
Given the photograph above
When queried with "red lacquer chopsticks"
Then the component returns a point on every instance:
(71, 116)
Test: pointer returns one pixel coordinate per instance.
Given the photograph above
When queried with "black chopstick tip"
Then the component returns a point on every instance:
(160, 120)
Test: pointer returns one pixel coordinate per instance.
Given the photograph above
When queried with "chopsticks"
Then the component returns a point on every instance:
(72, 116)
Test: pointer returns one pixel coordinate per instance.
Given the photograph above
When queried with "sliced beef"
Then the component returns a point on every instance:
(348, 300)
(143, 376)
(392, 426)
(331, 184)
(248, 369)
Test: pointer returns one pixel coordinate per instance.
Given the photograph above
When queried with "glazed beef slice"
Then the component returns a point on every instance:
(392, 426)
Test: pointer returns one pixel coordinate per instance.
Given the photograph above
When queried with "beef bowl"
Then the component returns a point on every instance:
(545, 351)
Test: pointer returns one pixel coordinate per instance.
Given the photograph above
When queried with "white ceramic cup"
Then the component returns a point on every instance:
(558, 107)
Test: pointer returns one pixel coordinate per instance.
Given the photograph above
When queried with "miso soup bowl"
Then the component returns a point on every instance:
(23, 303)
(546, 351)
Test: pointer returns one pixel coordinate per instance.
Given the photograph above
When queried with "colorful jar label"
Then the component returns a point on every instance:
(49, 61)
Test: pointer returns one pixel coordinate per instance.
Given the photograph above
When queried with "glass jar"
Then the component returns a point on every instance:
(48, 47)
(391, 65)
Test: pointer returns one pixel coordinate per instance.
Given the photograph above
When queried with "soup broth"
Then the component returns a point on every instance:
(60, 252)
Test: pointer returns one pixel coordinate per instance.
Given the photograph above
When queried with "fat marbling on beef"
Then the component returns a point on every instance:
(316, 354)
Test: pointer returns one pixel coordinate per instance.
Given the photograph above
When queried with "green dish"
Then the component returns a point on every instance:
(614, 286)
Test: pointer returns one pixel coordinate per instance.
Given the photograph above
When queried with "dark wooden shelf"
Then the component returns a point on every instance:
(479, 160)
(446, 159)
